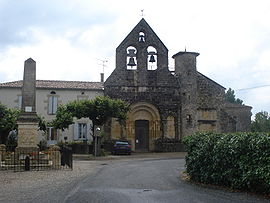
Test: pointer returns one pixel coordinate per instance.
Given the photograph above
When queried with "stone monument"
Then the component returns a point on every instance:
(28, 120)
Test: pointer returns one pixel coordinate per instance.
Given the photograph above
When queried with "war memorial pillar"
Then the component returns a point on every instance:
(28, 120)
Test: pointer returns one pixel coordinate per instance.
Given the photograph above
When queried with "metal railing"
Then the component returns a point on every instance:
(29, 159)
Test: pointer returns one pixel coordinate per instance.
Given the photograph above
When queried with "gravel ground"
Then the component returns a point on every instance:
(24, 186)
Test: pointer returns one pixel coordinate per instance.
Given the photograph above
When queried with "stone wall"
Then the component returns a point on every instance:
(227, 123)
(241, 114)
(210, 94)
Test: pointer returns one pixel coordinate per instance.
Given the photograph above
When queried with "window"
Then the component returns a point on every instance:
(53, 100)
(141, 37)
(51, 133)
(80, 131)
(189, 118)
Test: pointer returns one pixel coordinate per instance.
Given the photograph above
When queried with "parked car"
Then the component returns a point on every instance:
(121, 147)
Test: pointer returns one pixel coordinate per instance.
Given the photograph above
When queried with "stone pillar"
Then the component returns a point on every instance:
(54, 156)
(2, 152)
(29, 86)
(28, 121)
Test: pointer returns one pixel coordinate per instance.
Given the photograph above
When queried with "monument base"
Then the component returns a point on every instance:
(28, 131)
(27, 135)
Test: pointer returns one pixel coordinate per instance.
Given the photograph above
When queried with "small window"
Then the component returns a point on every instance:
(189, 118)
(53, 103)
(51, 133)
(141, 37)
(82, 131)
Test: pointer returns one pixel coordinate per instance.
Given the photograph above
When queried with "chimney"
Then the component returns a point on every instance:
(101, 77)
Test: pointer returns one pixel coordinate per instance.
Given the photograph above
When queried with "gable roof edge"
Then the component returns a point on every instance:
(140, 22)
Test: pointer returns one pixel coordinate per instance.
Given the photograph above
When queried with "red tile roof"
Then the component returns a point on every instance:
(57, 84)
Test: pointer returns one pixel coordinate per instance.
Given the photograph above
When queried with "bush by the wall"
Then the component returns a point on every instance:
(12, 141)
(237, 160)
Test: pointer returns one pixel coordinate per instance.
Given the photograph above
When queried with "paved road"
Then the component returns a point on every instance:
(148, 181)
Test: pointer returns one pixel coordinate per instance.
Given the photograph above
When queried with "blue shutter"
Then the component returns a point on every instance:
(50, 107)
(55, 100)
(76, 131)
(88, 131)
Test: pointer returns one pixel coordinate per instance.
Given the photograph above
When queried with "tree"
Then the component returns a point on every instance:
(8, 122)
(42, 124)
(261, 122)
(230, 97)
(99, 110)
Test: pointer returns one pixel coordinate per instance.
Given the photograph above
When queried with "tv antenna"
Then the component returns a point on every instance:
(104, 61)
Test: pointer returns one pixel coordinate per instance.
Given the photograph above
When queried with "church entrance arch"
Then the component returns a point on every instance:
(143, 126)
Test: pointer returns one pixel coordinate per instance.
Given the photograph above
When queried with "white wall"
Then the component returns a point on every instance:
(9, 97)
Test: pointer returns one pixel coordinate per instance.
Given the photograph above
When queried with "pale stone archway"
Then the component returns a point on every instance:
(147, 112)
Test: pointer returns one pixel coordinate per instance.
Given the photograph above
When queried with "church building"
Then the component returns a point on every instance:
(164, 103)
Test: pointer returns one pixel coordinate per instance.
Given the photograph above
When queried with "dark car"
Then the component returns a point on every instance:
(121, 147)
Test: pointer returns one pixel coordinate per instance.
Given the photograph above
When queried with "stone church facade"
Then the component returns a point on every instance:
(166, 103)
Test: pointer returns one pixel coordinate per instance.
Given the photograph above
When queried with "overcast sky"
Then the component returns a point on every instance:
(69, 39)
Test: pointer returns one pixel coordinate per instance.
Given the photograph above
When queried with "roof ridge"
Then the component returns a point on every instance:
(57, 84)
(54, 81)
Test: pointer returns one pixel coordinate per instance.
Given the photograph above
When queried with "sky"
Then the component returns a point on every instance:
(70, 39)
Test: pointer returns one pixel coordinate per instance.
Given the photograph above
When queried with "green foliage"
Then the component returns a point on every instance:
(261, 122)
(64, 117)
(239, 160)
(42, 124)
(98, 110)
(8, 121)
(230, 97)
(42, 145)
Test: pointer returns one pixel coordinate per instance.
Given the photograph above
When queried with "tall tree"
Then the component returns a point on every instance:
(230, 97)
(261, 122)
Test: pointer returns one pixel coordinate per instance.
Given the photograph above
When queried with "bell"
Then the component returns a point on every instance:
(152, 59)
(131, 62)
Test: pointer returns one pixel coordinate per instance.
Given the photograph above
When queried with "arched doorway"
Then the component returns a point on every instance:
(143, 126)
(142, 135)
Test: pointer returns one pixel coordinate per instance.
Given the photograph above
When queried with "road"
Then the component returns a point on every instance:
(148, 180)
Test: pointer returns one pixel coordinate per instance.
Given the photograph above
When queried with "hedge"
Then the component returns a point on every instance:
(237, 160)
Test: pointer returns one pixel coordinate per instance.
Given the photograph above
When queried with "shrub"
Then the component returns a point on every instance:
(42, 145)
(12, 142)
(237, 160)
